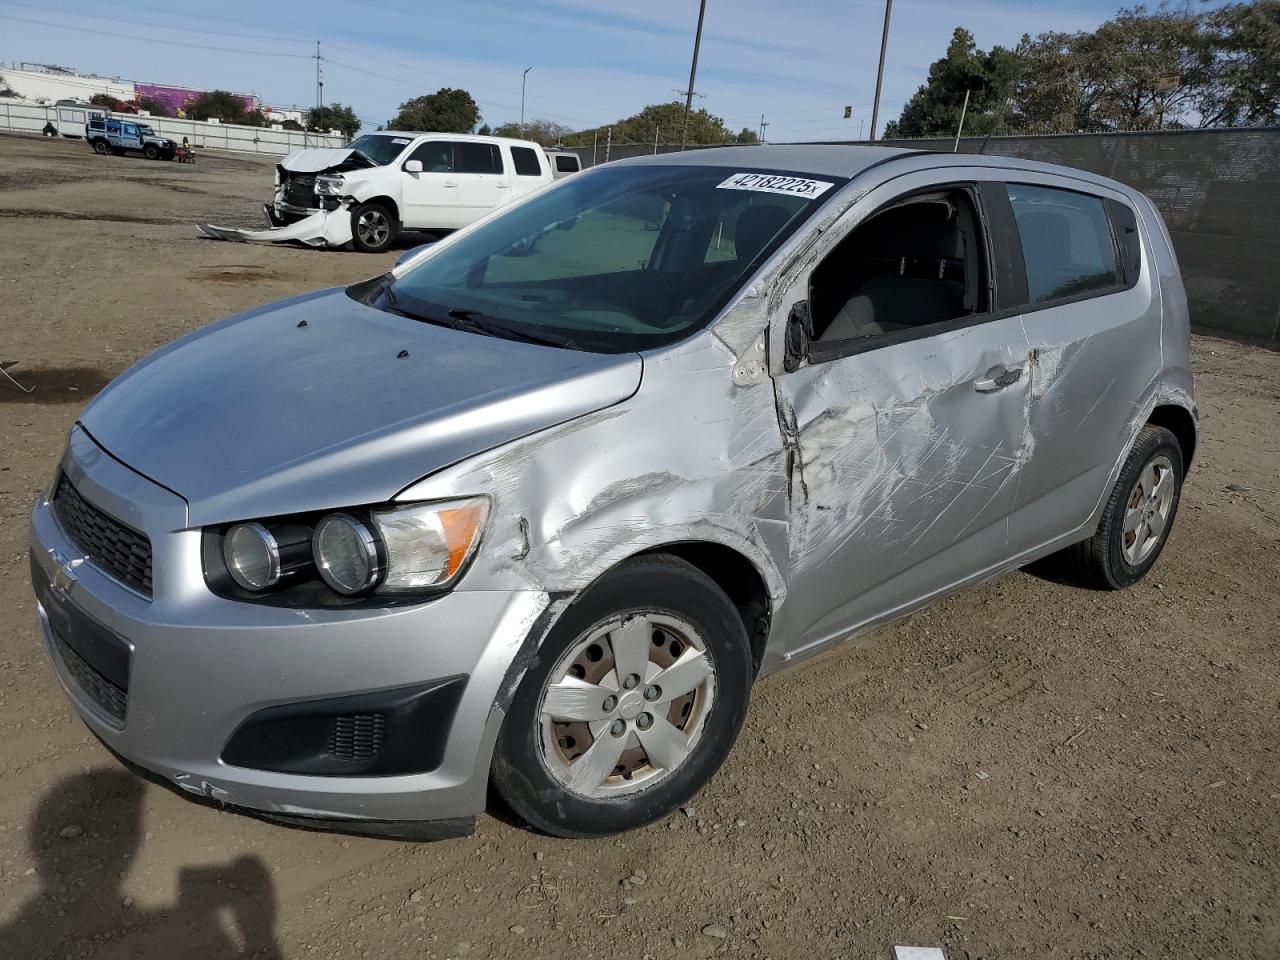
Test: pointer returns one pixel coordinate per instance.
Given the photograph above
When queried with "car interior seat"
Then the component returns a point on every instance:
(909, 269)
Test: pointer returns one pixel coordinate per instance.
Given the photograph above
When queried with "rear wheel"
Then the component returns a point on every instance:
(1138, 516)
(101, 146)
(635, 699)
(373, 228)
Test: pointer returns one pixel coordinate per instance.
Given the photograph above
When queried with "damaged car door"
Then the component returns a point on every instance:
(905, 415)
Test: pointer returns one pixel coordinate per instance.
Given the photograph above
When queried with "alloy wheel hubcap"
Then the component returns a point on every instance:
(373, 227)
(1147, 510)
(626, 704)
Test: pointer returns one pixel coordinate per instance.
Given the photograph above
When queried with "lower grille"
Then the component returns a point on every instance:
(105, 694)
(357, 737)
(120, 550)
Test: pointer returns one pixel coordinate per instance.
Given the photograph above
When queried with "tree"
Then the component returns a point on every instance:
(988, 78)
(221, 105)
(333, 117)
(448, 110)
(291, 124)
(1245, 75)
(103, 100)
(546, 132)
(747, 135)
(156, 108)
(663, 120)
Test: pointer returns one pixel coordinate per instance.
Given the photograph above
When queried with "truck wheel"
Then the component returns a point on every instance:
(151, 152)
(373, 228)
(629, 706)
(101, 146)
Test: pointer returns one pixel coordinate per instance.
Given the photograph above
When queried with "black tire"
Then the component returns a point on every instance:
(101, 147)
(657, 584)
(1100, 561)
(151, 151)
(374, 227)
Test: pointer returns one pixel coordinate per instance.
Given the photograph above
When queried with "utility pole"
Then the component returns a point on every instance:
(884, 43)
(319, 95)
(693, 73)
(763, 126)
(955, 148)
(523, 79)
(655, 139)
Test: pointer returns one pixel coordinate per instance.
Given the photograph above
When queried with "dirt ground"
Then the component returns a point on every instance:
(1024, 770)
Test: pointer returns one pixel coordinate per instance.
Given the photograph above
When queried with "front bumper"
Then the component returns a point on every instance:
(327, 229)
(199, 667)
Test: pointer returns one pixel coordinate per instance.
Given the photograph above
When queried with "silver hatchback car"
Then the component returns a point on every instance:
(537, 507)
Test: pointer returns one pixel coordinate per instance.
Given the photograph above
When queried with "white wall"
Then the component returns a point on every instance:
(38, 85)
(31, 118)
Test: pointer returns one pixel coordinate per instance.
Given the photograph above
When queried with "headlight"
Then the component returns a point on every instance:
(407, 550)
(346, 553)
(252, 557)
(258, 558)
(329, 186)
(428, 544)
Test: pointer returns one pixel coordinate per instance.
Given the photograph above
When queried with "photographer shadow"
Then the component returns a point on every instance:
(83, 838)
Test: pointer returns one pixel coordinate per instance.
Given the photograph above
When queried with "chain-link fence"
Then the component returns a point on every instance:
(1218, 190)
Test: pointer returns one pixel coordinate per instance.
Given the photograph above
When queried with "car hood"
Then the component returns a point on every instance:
(322, 402)
(315, 159)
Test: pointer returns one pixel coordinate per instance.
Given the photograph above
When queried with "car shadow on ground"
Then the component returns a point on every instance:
(83, 838)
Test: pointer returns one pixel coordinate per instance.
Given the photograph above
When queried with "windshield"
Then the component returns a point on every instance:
(617, 259)
(380, 149)
(146, 130)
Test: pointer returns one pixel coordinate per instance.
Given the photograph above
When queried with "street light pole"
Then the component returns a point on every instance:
(693, 73)
(524, 77)
(884, 43)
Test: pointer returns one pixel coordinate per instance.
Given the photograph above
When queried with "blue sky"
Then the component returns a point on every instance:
(797, 63)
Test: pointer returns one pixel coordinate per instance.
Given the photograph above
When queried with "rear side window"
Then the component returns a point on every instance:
(470, 157)
(1066, 242)
(1125, 223)
(566, 164)
(526, 162)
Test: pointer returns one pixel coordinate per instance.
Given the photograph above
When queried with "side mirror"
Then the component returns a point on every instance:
(413, 166)
(797, 336)
(412, 251)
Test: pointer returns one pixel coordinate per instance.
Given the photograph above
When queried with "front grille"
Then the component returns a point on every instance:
(105, 694)
(300, 190)
(120, 550)
(357, 737)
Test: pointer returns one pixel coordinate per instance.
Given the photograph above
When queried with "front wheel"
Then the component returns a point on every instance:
(633, 702)
(373, 228)
(151, 152)
(1138, 516)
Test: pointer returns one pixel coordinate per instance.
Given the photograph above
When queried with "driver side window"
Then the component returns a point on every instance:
(436, 156)
(919, 262)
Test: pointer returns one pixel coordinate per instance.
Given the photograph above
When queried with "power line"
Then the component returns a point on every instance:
(47, 8)
(170, 43)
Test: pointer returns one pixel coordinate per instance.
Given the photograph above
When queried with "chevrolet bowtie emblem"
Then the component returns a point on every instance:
(64, 573)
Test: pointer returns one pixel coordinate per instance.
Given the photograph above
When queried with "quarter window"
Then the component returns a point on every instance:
(526, 162)
(567, 164)
(1066, 242)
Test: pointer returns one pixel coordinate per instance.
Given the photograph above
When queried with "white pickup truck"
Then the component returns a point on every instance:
(367, 192)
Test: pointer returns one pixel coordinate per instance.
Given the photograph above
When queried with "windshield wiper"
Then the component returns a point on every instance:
(477, 322)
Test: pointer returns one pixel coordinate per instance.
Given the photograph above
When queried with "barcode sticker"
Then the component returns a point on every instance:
(777, 183)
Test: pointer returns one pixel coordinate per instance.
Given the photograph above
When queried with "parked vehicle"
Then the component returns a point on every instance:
(383, 183)
(564, 163)
(538, 506)
(110, 135)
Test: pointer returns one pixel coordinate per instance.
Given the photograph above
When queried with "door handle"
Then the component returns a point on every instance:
(997, 378)
(448, 183)
(503, 186)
